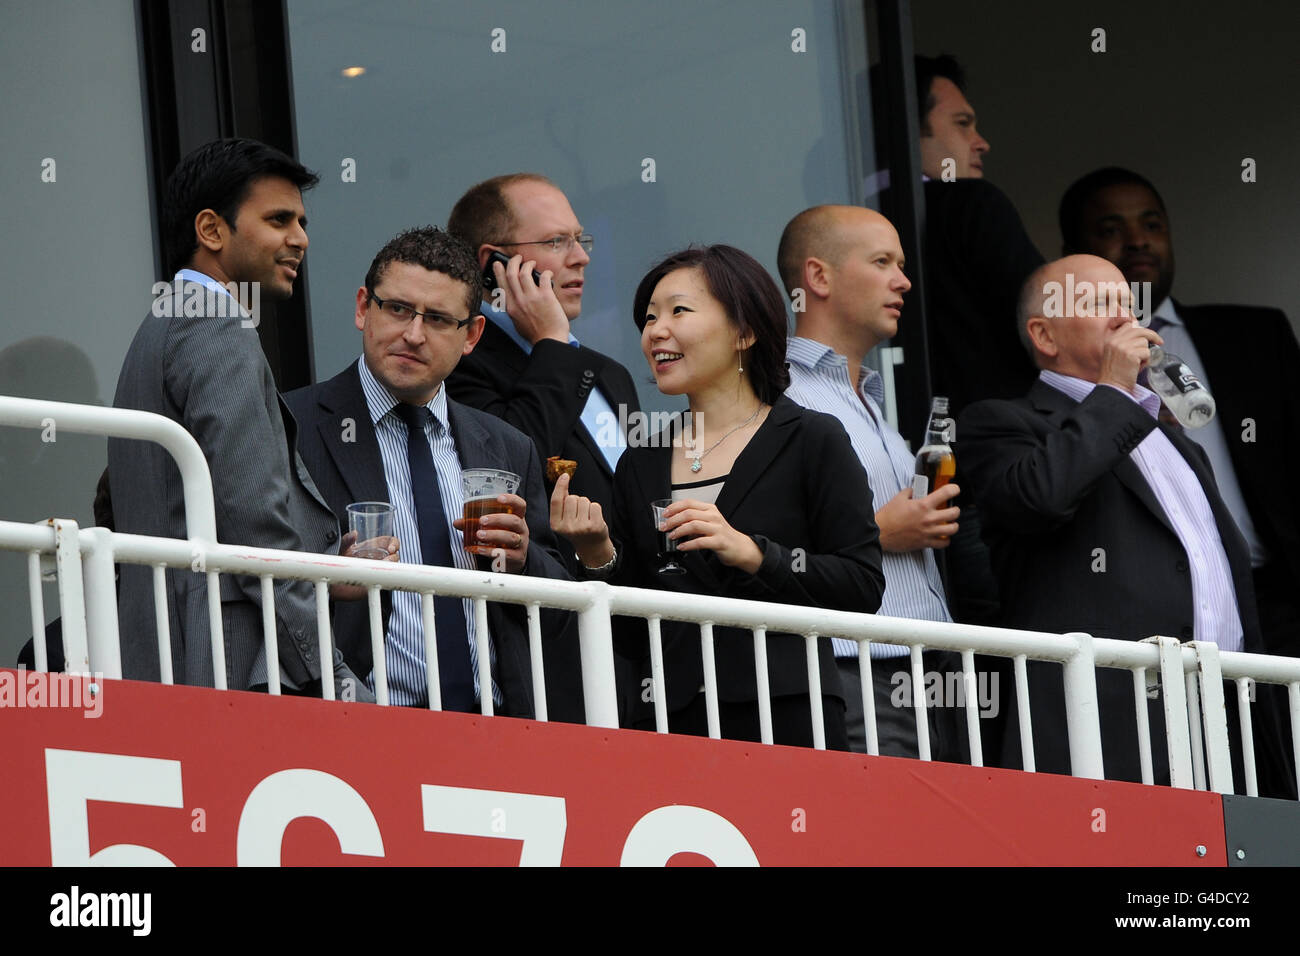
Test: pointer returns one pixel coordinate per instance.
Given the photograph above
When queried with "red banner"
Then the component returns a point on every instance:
(151, 774)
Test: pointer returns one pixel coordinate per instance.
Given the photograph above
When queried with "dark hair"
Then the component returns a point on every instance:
(1070, 213)
(748, 296)
(927, 68)
(482, 215)
(431, 248)
(218, 176)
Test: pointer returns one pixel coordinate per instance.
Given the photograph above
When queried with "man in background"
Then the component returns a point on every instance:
(529, 369)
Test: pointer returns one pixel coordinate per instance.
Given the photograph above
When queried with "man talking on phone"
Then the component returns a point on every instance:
(529, 368)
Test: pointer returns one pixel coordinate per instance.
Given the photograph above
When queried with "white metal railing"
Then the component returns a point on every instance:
(84, 562)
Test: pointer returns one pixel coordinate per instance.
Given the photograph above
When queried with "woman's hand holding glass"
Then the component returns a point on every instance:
(699, 526)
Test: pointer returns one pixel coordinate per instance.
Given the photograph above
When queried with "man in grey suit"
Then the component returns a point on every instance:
(234, 227)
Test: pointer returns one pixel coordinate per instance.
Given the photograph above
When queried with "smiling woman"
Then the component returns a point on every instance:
(760, 504)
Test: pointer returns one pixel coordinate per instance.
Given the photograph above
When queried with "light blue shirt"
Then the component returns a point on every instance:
(404, 647)
(1182, 498)
(819, 379)
(193, 275)
(597, 414)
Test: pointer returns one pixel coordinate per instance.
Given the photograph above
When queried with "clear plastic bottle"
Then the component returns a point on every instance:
(935, 460)
(1178, 387)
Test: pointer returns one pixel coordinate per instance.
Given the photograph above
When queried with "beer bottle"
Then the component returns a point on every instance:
(935, 461)
(1179, 388)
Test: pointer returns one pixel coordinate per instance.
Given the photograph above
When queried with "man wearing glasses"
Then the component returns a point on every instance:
(529, 369)
(384, 429)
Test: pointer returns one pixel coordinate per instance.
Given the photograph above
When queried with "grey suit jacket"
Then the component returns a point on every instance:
(210, 375)
(353, 470)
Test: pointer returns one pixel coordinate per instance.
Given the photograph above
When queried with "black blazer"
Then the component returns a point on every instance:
(788, 490)
(348, 471)
(542, 395)
(977, 256)
(1079, 543)
(1250, 360)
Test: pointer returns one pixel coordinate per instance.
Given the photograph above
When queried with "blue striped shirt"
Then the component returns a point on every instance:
(819, 379)
(1182, 498)
(404, 646)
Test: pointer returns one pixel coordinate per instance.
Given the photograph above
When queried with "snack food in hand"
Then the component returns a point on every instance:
(556, 466)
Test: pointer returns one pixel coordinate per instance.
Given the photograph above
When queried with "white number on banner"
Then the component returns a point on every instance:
(285, 796)
(539, 822)
(73, 777)
(664, 832)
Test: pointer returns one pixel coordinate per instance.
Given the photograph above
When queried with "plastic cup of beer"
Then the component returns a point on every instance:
(370, 520)
(480, 487)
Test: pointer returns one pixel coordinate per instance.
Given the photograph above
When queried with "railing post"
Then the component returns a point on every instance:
(101, 604)
(72, 605)
(596, 644)
(1173, 693)
(1081, 716)
(1214, 715)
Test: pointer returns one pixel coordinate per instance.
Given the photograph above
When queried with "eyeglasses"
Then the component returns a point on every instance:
(404, 313)
(559, 243)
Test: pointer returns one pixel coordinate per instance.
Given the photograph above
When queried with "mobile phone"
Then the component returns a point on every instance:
(489, 276)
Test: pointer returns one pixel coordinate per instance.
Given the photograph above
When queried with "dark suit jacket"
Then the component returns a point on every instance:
(787, 491)
(1250, 357)
(1055, 483)
(209, 374)
(977, 256)
(542, 395)
(348, 471)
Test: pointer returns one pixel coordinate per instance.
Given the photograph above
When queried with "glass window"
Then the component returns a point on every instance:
(77, 249)
(665, 124)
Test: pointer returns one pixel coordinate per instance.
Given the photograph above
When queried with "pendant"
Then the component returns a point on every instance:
(696, 465)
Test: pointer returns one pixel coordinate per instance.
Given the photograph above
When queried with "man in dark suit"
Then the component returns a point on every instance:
(1244, 355)
(418, 314)
(234, 226)
(1099, 518)
(529, 370)
(977, 256)
(977, 253)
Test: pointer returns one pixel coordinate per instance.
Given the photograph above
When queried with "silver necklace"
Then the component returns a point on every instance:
(699, 459)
